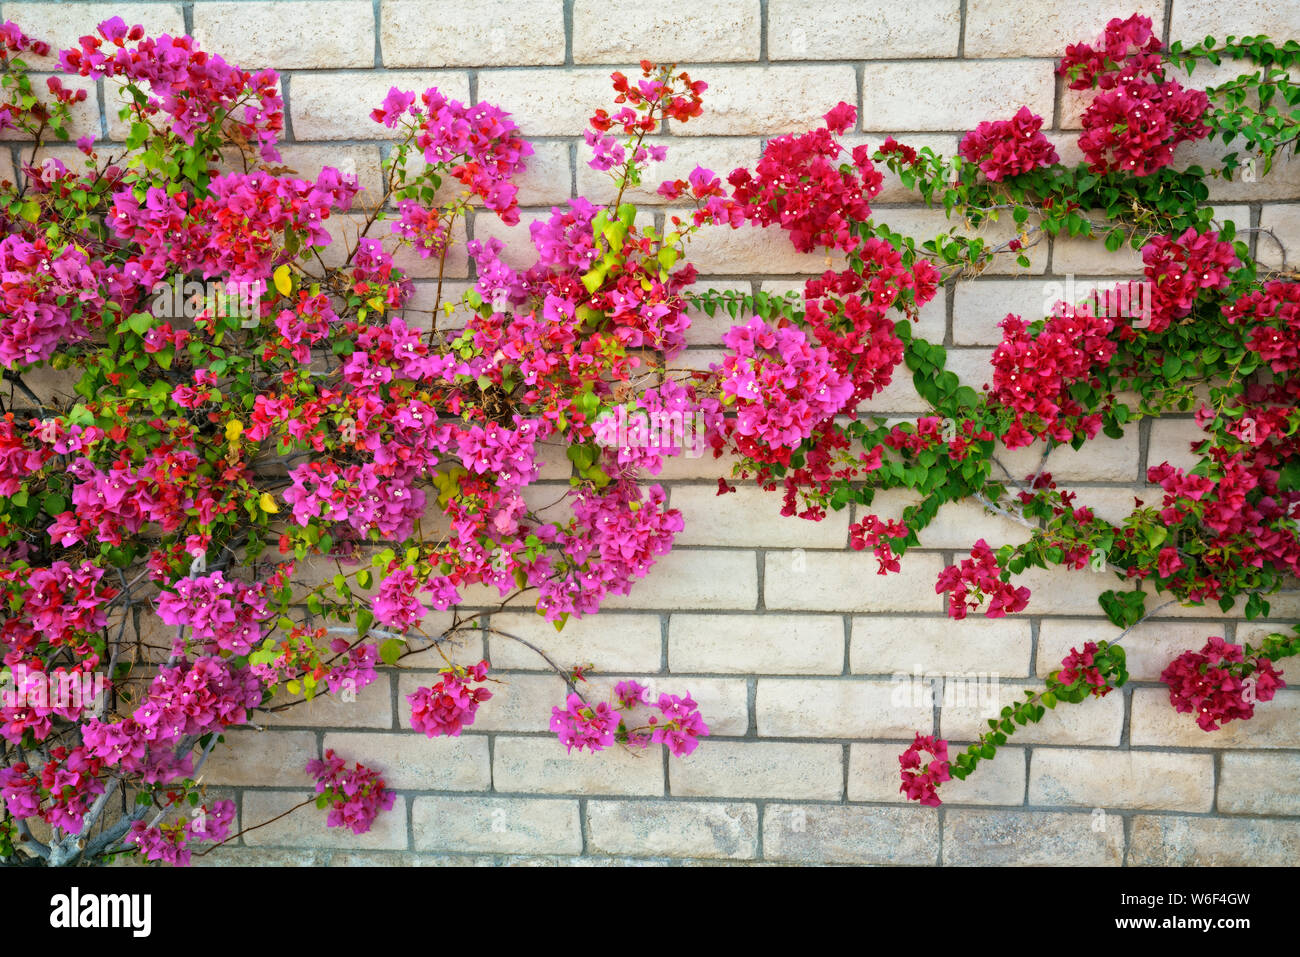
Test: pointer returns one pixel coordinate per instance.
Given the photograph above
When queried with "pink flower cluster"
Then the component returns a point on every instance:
(1218, 684)
(221, 615)
(170, 843)
(191, 87)
(782, 386)
(922, 783)
(580, 726)
(19, 457)
(1003, 148)
(236, 234)
(355, 796)
(451, 703)
(479, 144)
(678, 724)
(981, 575)
(49, 297)
(62, 605)
(1081, 665)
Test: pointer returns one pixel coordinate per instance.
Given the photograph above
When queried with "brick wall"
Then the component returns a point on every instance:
(787, 639)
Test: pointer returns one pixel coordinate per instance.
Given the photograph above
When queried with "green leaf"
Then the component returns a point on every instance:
(365, 618)
(391, 650)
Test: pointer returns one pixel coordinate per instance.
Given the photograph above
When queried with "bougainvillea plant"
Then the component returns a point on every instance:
(1207, 329)
(267, 467)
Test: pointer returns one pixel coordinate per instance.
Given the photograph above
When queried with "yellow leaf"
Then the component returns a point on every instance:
(234, 429)
(267, 501)
(283, 281)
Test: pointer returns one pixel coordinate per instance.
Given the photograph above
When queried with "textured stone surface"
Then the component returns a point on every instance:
(421, 33)
(677, 828)
(1032, 838)
(670, 31)
(837, 834)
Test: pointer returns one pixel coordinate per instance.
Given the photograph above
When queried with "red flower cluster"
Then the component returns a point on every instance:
(1005, 148)
(922, 785)
(1179, 269)
(1032, 374)
(981, 575)
(1080, 664)
(1276, 309)
(799, 185)
(1134, 125)
(1218, 684)
(1128, 49)
(872, 532)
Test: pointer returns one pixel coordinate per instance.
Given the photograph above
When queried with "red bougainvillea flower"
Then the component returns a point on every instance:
(1218, 684)
(1079, 664)
(1003, 148)
(921, 783)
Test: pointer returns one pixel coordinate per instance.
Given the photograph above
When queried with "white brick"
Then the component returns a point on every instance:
(330, 35)
(704, 579)
(540, 765)
(952, 95)
(306, 827)
(518, 702)
(845, 30)
(610, 641)
(1284, 221)
(840, 581)
(496, 825)
(754, 769)
(83, 119)
(1102, 459)
(1148, 648)
(415, 33)
(415, 761)
(671, 31)
(1031, 838)
(1260, 784)
(1121, 779)
(1155, 722)
(769, 100)
(262, 758)
(372, 707)
(1193, 20)
(61, 25)
(1008, 28)
(1096, 721)
(835, 834)
(723, 251)
(1169, 841)
(751, 516)
(839, 708)
(759, 644)
(306, 160)
(673, 829)
(336, 106)
(888, 644)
